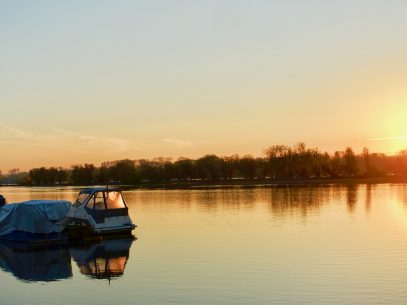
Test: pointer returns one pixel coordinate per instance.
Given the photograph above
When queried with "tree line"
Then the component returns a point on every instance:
(278, 162)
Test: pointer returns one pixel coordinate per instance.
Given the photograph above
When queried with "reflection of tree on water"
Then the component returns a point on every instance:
(351, 196)
(287, 201)
(303, 200)
(209, 200)
(282, 201)
(402, 194)
(105, 260)
(368, 201)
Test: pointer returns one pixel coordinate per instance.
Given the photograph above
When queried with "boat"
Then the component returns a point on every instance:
(34, 221)
(97, 213)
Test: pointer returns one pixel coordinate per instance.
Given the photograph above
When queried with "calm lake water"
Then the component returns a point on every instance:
(274, 245)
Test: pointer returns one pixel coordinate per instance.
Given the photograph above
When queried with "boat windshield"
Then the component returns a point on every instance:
(81, 199)
(114, 200)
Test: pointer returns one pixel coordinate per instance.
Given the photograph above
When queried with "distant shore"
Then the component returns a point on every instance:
(197, 184)
(268, 182)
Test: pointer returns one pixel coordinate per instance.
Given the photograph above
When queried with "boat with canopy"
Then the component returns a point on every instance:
(97, 213)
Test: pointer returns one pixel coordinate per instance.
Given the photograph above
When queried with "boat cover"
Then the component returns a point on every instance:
(35, 216)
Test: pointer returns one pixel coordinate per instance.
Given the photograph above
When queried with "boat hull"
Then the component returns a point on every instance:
(85, 233)
(72, 234)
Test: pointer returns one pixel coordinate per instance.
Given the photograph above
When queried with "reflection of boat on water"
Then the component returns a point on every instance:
(33, 265)
(106, 259)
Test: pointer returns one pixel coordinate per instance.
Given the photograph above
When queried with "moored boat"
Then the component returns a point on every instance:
(34, 221)
(97, 213)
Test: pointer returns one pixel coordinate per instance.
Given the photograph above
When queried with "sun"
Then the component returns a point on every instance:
(393, 136)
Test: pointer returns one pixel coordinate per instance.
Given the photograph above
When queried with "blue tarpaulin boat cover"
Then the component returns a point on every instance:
(35, 216)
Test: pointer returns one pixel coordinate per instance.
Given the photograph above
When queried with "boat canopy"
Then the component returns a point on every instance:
(101, 199)
(35, 216)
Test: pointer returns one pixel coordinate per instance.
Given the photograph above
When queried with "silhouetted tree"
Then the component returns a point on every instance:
(278, 158)
(229, 166)
(400, 162)
(124, 172)
(262, 168)
(279, 162)
(366, 159)
(62, 175)
(39, 176)
(14, 177)
(83, 174)
(184, 169)
(317, 162)
(148, 171)
(247, 166)
(168, 171)
(335, 164)
(350, 162)
(209, 167)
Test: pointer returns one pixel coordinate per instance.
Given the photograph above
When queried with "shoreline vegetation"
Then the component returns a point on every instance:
(279, 165)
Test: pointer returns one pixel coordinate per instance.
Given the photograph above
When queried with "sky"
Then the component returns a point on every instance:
(92, 81)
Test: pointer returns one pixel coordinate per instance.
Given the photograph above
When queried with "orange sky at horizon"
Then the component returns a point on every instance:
(101, 81)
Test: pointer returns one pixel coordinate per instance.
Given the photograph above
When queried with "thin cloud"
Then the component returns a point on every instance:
(389, 138)
(64, 132)
(240, 142)
(66, 140)
(14, 131)
(177, 142)
(108, 144)
(15, 143)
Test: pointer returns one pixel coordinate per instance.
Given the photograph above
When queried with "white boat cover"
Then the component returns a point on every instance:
(35, 216)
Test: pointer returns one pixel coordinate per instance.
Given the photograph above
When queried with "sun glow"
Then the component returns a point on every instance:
(400, 132)
(394, 128)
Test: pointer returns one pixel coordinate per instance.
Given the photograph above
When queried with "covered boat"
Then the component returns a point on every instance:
(99, 211)
(96, 212)
(33, 221)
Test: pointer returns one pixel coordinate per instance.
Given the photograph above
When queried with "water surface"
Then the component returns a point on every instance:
(273, 245)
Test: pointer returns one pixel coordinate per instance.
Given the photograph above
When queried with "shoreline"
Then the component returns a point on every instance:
(269, 182)
(242, 183)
